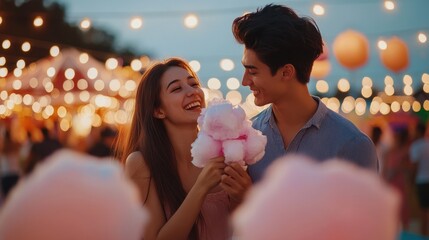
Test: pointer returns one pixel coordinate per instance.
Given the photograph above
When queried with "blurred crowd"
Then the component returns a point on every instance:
(19, 156)
(403, 153)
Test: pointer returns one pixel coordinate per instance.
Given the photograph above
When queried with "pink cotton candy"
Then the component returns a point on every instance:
(74, 196)
(226, 131)
(300, 199)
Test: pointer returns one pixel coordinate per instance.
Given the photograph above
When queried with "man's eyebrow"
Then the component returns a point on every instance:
(249, 66)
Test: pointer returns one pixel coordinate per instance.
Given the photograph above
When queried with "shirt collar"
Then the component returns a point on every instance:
(315, 120)
(319, 115)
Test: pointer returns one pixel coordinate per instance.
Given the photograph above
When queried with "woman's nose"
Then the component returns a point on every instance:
(192, 91)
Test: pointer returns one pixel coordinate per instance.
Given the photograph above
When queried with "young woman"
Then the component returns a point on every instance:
(184, 202)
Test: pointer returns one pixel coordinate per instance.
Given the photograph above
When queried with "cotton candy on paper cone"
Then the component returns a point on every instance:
(300, 199)
(73, 196)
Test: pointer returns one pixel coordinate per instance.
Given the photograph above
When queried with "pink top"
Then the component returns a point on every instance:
(215, 223)
(215, 211)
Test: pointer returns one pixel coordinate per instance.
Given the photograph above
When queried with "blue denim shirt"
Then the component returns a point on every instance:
(326, 135)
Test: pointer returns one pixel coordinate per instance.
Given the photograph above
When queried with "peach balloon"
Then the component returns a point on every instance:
(351, 49)
(321, 69)
(395, 56)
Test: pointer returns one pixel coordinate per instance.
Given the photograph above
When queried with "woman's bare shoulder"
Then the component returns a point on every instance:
(136, 166)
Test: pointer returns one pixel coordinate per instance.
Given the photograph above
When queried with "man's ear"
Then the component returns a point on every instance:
(287, 71)
(158, 113)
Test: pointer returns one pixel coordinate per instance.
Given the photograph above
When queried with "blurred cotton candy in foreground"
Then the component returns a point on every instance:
(74, 196)
(300, 199)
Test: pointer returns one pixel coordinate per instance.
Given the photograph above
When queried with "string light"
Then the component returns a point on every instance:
(69, 73)
(395, 106)
(111, 63)
(389, 5)
(115, 85)
(227, 64)
(82, 84)
(360, 106)
(84, 96)
(366, 91)
(426, 105)
(348, 104)
(382, 45)
(136, 22)
(322, 86)
(234, 97)
(92, 73)
(54, 51)
(136, 65)
(408, 90)
(214, 83)
(408, 80)
(85, 24)
(26, 46)
(416, 106)
(195, 65)
(99, 85)
(366, 81)
(38, 21)
(130, 85)
(6, 44)
(318, 10)
(20, 64)
(17, 72)
(406, 106)
(191, 21)
(83, 58)
(388, 80)
(422, 38)
(4, 72)
(333, 104)
(233, 83)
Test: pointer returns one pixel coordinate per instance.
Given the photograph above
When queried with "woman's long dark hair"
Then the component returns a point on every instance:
(148, 135)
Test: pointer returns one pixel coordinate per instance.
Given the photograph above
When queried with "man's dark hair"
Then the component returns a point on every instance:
(279, 36)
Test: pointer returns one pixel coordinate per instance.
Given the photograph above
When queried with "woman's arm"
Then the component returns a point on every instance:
(181, 222)
(137, 170)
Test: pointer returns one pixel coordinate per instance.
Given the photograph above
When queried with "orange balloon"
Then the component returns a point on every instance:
(395, 56)
(351, 49)
(321, 69)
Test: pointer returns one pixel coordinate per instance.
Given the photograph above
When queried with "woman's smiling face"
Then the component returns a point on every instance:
(181, 96)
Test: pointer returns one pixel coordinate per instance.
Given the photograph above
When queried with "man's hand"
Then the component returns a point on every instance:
(235, 181)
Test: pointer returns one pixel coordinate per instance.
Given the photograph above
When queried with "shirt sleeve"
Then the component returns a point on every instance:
(361, 151)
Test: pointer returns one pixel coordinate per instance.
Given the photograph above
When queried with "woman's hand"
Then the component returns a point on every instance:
(211, 174)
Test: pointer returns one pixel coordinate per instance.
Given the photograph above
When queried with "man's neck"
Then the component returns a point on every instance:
(295, 111)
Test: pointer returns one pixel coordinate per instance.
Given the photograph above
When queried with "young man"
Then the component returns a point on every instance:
(279, 50)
